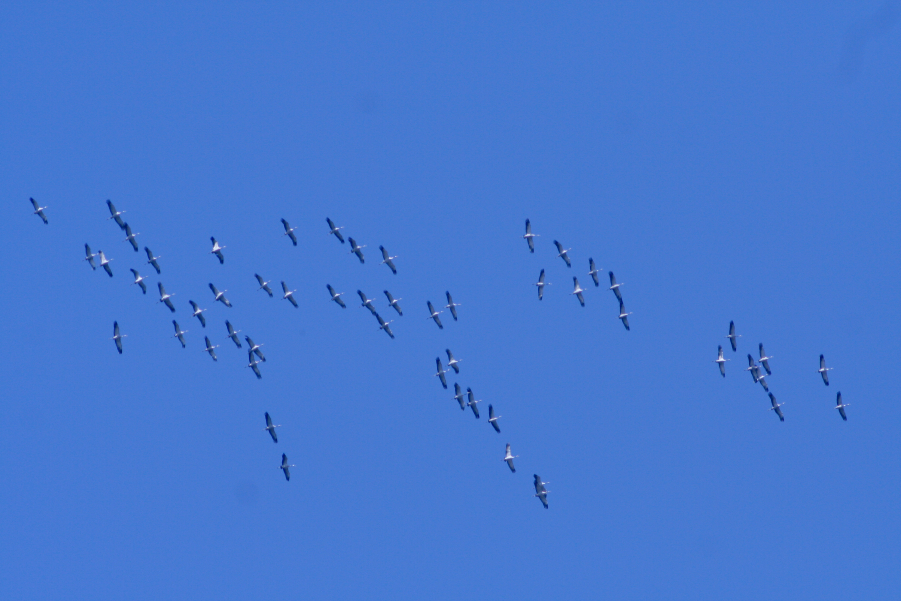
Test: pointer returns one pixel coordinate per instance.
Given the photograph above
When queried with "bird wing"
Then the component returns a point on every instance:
(431, 308)
(528, 226)
(109, 203)
(202, 319)
(35, 204)
(339, 236)
(287, 227)
(362, 296)
(531, 242)
(822, 362)
(284, 287)
(723, 369)
(559, 247)
(581, 298)
(214, 289)
(384, 253)
(612, 279)
(293, 302)
(162, 290)
(438, 321)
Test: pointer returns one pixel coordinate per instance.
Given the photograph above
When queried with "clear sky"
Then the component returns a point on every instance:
(728, 161)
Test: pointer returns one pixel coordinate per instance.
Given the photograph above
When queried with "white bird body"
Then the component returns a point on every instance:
(139, 280)
(509, 457)
(529, 236)
(577, 290)
(289, 294)
(104, 262)
(38, 210)
(89, 257)
(336, 296)
(721, 361)
(217, 250)
(452, 362)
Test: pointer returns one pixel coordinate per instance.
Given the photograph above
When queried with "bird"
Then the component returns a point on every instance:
(334, 230)
(254, 348)
(755, 372)
(179, 333)
(220, 296)
(459, 396)
(440, 373)
(823, 369)
(130, 237)
(217, 250)
(264, 285)
(434, 314)
(838, 404)
(89, 257)
(615, 287)
(472, 402)
(593, 272)
(114, 214)
(336, 296)
(765, 361)
(151, 260)
(289, 294)
(719, 359)
(118, 337)
(541, 284)
(165, 298)
(776, 407)
(270, 427)
(209, 348)
(393, 302)
(104, 262)
(367, 302)
(623, 315)
(387, 260)
(451, 362)
(492, 419)
(233, 333)
(198, 313)
(761, 379)
(384, 325)
(509, 457)
(139, 280)
(253, 365)
(284, 467)
(289, 231)
(733, 337)
(38, 210)
(529, 236)
(452, 305)
(562, 253)
(356, 249)
(577, 290)
(540, 491)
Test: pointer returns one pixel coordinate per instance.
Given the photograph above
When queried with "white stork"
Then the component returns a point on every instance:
(38, 210)
(561, 252)
(289, 294)
(356, 249)
(541, 284)
(452, 305)
(166, 299)
(270, 427)
(233, 333)
(114, 214)
(577, 290)
(217, 250)
(89, 257)
(210, 348)
(333, 229)
(118, 337)
(198, 313)
(130, 237)
(393, 302)
(151, 260)
(720, 360)
(179, 333)
(336, 296)
(434, 314)
(388, 260)
(264, 285)
(823, 369)
(529, 236)
(289, 231)
(220, 296)
(104, 262)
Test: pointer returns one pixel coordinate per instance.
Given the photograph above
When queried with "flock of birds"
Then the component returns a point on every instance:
(760, 377)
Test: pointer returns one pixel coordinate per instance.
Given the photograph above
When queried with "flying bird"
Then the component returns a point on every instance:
(434, 314)
(254, 348)
(198, 313)
(459, 396)
(540, 491)
(623, 315)
(838, 404)
(719, 359)
(562, 253)
(118, 337)
(114, 214)
(217, 250)
(823, 369)
(509, 457)
(253, 364)
(389, 261)
(577, 290)
(452, 305)
(356, 249)
(89, 257)
(541, 284)
(336, 296)
(733, 337)
(104, 262)
(210, 348)
(264, 285)
(139, 280)
(393, 302)
(765, 361)
(284, 467)
(179, 333)
(615, 287)
(440, 373)
(332, 229)
(220, 296)
(776, 407)
(151, 260)
(289, 231)
(472, 402)
(593, 272)
(270, 427)
(384, 325)
(367, 302)
(451, 362)
(492, 419)
(289, 294)
(38, 210)
(529, 236)
(130, 237)
(233, 333)
(166, 299)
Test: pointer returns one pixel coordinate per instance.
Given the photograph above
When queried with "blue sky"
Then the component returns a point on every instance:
(734, 162)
